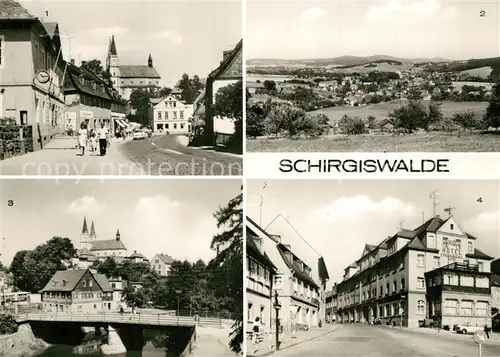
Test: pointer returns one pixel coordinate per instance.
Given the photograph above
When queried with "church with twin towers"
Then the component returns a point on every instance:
(96, 249)
(127, 78)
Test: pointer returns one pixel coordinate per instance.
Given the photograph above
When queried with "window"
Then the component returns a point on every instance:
(420, 283)
(420, 260)
(387, 288)
(90, 283)
(159, 115)
(435, 262)
(482, 308)
(480, 266)
(431, 241)
(402, 283)
(466, 307)
(84, 283)
(395, 285)
(421, 307)
(175, 115)
(470, 247)
(380, 311)
(166, 115)
(175, 124)
(452, 226)
(249, 316)
(182, 125)
(181, 114)
(451, 307)
(387, 310)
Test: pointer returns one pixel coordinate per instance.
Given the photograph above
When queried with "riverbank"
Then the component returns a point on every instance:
(23, 343)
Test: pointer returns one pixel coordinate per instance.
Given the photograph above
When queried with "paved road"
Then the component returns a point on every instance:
(377, 341)
(164, 155)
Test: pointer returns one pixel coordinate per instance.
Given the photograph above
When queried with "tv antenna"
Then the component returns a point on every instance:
(435, 201)
(264, 186)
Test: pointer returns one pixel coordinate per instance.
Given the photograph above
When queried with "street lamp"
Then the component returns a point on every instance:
(178, 292)
(277, 307)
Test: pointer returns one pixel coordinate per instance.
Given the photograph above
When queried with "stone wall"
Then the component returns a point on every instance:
(21, 344)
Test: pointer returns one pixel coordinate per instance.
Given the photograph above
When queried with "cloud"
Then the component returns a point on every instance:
(483, 222)
(170, 35)
(86, 205)
(408, 12)
(313, 13)
(107, 31)
(351, 208)
(166, 226)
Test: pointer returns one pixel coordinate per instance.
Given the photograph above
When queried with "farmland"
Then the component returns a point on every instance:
(421, 142)
(381, 111)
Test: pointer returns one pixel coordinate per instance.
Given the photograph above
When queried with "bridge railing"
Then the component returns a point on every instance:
(109, 317)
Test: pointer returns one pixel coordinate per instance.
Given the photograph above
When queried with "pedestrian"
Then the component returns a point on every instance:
(93, 141)
(121, 310)
(82, 138)
(103, 139)
(486, 330)
(256, 329)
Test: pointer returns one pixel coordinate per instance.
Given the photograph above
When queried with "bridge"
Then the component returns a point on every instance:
(147, 319)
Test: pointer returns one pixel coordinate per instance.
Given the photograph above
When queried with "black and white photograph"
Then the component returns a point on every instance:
(373, 267)
(372, 76)
(121, 268)
(121, 87)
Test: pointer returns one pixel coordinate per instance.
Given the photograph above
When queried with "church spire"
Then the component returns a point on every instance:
(92, 230)
(85, 229)
(117, 234)
(150, 61)
(112, 46)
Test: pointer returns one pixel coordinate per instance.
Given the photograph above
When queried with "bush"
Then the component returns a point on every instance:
(8, 324)
(352, 125)
(446, 327)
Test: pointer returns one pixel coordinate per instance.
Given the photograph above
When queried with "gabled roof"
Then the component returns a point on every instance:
(12, 10)
(167, 259)
(231, 58)
(138, 71)
(67, 280)
(110, 244)
(254, 251)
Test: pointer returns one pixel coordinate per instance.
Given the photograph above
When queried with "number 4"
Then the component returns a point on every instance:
(482, 13)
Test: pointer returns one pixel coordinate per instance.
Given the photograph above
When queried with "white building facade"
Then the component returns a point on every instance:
(173, 116)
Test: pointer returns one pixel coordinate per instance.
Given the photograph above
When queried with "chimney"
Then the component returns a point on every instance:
(226, 54)
(72, 61)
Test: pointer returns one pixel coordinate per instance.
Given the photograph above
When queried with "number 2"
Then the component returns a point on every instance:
(482, 13)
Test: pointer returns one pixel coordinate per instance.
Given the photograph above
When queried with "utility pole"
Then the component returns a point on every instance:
(434, 197)
(264, 186)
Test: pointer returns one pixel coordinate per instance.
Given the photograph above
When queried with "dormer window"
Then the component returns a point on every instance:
(452, 226)
(84, 283)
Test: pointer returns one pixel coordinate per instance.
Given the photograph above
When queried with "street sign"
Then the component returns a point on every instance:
(479, 337)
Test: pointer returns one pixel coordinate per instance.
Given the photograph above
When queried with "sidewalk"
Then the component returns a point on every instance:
(287, 339)
(60, 157)
(212, 342)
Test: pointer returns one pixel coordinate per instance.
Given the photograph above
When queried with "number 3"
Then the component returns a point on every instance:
(482, 13)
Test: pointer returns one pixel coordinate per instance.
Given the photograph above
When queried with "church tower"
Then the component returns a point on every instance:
(150, 61)
(117, 234)
(112, 64)
(85, 242)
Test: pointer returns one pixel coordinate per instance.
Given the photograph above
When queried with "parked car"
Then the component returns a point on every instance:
(467, 328)
(138, 135)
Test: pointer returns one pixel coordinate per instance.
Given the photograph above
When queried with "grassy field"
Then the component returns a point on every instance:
(381, 111)
(422, 142)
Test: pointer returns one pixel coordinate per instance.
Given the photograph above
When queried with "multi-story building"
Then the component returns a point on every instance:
(127, 78)
(388, 282)
(31, 72)
(260, 276)
(331, 305)
(161, 264)
(136, 257)
(81, 290)
(90, 100)
(298, 292)
(229, 72)
(172, 115)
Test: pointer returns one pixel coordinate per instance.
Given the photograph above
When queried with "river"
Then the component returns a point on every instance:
(66, 351)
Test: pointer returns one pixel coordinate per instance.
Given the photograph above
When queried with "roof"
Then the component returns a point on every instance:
(85, 228)
(138, 71)
(479, 255)
(51, 28)
(112, 46)
(495, 280)
(167, 259)
(137, 255)
(92, 229)
(254, 251)
(297, 273)
(110, 244)
(228, 61)
(156, 100)
(67, 280)
(12, 10)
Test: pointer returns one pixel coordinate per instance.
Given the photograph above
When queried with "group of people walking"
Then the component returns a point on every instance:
(93, 139)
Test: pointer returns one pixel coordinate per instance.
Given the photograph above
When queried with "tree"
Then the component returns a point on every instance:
(140, 100)
(32, 270)
(229, 245)
(165, 91)
(270, 85)
(229, 104)
(255, 124)
(352, 125)
(415, 94)
(492, 117)
(371, 122)
(93, 66)
(410, 116)
(466, 120)
(434, 115)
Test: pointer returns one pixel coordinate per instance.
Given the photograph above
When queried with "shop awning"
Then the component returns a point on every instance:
(123, 123)
(120, 123)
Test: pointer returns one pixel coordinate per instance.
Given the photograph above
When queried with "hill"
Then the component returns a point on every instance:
(339, 61)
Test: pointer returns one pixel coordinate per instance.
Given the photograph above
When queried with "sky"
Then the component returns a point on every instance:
(173, 217)
(337, 218)
(182, 36)
(294, 29)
